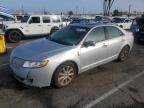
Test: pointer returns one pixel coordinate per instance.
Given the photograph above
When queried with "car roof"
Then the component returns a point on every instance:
(91, 25)
(44, 15)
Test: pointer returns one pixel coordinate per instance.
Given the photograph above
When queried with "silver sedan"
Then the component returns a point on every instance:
(68, 52)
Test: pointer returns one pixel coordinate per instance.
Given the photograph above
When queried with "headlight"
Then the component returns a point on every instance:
(35, 64)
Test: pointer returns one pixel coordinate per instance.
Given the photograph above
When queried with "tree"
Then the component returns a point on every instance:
(70, 13)
(107, 5)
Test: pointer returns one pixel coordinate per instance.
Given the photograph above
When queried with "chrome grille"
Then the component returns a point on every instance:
(17, 62)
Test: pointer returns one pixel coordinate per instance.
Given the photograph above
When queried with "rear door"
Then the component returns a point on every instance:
(116, 39)
(47, 25)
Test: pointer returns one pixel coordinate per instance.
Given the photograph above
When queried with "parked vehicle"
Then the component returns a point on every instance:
(35, 25)
(138, 28)
(102, 19)
(122, 22)
(5, 18)
(68, 52)
(78, 20)
(83, 21)
(21, 18)
(65, 21)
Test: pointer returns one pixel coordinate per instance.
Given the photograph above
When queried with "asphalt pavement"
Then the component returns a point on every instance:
(113, 85)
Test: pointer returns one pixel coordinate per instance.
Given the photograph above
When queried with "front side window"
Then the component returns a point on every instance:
(96, 35)
(19, 18)
(24, 19)
(35, 20)
(46, 19)
(113, 32)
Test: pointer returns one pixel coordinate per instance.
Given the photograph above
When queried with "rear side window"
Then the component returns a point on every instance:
(46, 19)
(56, 19)
(35, 20)
(96, 35)
(113, 32)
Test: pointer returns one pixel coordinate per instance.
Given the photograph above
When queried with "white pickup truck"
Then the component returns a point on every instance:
(35, 25)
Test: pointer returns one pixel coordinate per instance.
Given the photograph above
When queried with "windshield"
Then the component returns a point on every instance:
(70, 35)
(24, 19)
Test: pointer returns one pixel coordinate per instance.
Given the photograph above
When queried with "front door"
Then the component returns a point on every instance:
(92, 56)
(34, 27)
(47, 24)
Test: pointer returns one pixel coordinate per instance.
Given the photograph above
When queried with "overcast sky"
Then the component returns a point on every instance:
(66, 5)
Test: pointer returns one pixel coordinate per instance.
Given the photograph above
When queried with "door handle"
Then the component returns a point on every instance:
(39, 25)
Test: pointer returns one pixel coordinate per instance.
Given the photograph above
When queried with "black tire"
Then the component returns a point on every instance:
(14, 36)
(64, 75)
(123, 56)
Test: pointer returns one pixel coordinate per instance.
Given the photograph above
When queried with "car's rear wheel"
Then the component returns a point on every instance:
(124, 53)
(14, 36)
(64, 74)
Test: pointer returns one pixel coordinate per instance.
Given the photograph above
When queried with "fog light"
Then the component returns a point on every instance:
(29, 79)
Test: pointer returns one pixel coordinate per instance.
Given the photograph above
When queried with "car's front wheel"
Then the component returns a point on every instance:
(124, 53)
(64, 74)
(14, 36)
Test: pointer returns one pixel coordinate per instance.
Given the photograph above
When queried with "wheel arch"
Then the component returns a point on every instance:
(75, 64)
(8, 30)
(54, 28)
(124, 46)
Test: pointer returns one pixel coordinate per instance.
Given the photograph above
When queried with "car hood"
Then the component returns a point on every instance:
(39, 50)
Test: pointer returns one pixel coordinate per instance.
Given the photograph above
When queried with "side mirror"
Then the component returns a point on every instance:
(89, 43)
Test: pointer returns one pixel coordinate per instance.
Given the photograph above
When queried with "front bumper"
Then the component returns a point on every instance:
(38, 77)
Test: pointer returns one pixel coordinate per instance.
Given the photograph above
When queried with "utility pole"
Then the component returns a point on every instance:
(76, 10)
(22, 10)
(129, 14)
(83, 11)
